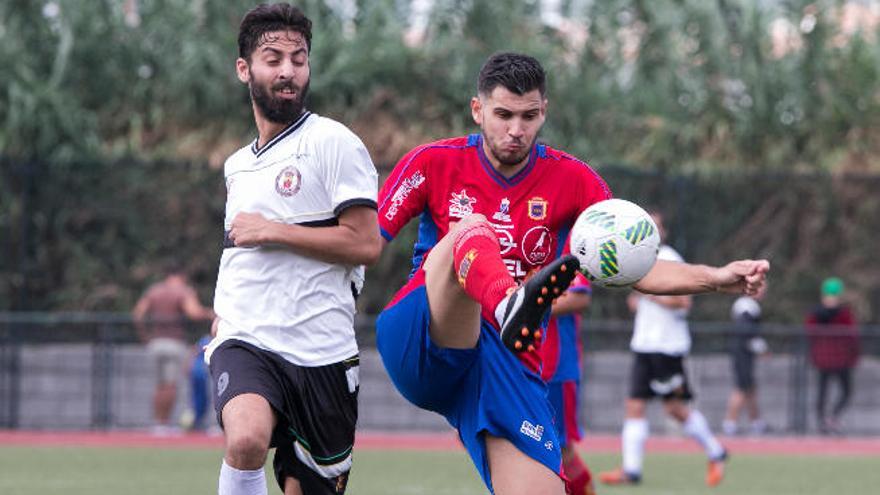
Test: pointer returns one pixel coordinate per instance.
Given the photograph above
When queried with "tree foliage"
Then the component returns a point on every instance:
(111, 112)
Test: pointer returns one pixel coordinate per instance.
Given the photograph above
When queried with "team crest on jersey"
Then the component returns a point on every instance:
(537, 208)
(288, 181)
(461, 205)
(537, 245)
(503, 213)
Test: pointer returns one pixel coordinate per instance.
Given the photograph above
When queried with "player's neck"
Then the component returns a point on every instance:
(507, 171)
(267, 129)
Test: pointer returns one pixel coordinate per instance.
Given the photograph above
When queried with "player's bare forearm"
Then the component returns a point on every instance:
(570, 302)
(355, 241)
(674, 278)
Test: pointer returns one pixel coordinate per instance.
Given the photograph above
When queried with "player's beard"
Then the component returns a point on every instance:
(279, 110)
(506, 158)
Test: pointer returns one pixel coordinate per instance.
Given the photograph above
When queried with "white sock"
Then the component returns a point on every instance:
(697, 427)
(635, 433)
(241, 482)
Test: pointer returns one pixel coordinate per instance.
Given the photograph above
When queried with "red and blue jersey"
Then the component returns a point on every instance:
(532, 212)
(562, 349)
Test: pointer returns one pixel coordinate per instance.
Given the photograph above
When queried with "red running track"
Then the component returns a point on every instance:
(367, 440)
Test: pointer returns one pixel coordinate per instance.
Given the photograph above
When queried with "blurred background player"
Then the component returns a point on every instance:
(745, 343)
(160, 316)
(834, 351)
(661, 340)
(194, 418)
(561, 354)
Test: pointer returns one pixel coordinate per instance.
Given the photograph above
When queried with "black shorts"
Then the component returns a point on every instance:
(316, 409)
(659, 375)
(744, 370)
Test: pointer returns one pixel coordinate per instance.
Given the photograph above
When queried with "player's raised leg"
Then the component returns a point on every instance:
(465, 278)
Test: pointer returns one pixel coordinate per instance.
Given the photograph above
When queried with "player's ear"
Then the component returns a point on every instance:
(242, 70)
(477, 110)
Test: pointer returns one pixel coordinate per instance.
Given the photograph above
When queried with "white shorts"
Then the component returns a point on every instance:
(171, 356)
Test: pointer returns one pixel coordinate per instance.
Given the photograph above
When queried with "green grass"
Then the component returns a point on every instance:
(80, 471)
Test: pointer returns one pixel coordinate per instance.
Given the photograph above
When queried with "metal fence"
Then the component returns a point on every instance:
(88, 371)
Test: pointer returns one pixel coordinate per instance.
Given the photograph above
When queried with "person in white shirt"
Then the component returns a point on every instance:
(300, 223)
(661, 340)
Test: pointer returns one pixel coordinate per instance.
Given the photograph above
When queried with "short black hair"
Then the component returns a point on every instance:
(517, 72)
(266, 18)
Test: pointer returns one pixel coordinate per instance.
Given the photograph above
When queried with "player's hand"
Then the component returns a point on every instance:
(742, 276)
(249, 229)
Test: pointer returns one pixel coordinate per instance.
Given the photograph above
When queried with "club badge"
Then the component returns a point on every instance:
(288, 181)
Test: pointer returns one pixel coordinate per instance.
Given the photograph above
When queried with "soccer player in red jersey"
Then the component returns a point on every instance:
(461, 337)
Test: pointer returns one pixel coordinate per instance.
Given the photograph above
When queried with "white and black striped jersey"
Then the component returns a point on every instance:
(271, 297)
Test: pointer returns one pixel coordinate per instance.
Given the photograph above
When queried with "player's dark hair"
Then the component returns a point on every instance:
(266, 18)
(517, 72)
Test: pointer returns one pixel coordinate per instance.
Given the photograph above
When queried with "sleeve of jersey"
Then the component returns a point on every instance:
(404, 193)
(352, 179)
(595, 188)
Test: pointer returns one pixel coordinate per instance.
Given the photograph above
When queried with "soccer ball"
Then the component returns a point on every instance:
(616, 242)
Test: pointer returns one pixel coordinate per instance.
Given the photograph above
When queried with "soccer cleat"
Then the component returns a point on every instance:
(715, 471)
(525, 308)
(620, 477)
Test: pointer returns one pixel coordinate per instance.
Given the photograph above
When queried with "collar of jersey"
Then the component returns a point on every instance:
(538, 151)
(281, 135)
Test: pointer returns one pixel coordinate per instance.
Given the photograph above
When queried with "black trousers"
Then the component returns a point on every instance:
(844, 379)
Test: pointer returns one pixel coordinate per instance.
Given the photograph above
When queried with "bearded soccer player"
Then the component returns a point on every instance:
(461, 337)
(300, 223)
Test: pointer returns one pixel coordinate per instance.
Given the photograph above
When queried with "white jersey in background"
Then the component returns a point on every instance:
(659, 328)
(296, 306)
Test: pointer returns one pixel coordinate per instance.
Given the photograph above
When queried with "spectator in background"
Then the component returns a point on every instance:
(160, 317)
(745, 344)
(834, 350)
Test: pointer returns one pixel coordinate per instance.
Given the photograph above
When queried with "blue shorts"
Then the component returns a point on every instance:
(481, 390)
(563, 396)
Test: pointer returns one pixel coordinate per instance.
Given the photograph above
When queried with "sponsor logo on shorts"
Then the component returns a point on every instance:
(665, 387)
(548, 445)
(341, 482)
(222, 383)
(532, 431)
